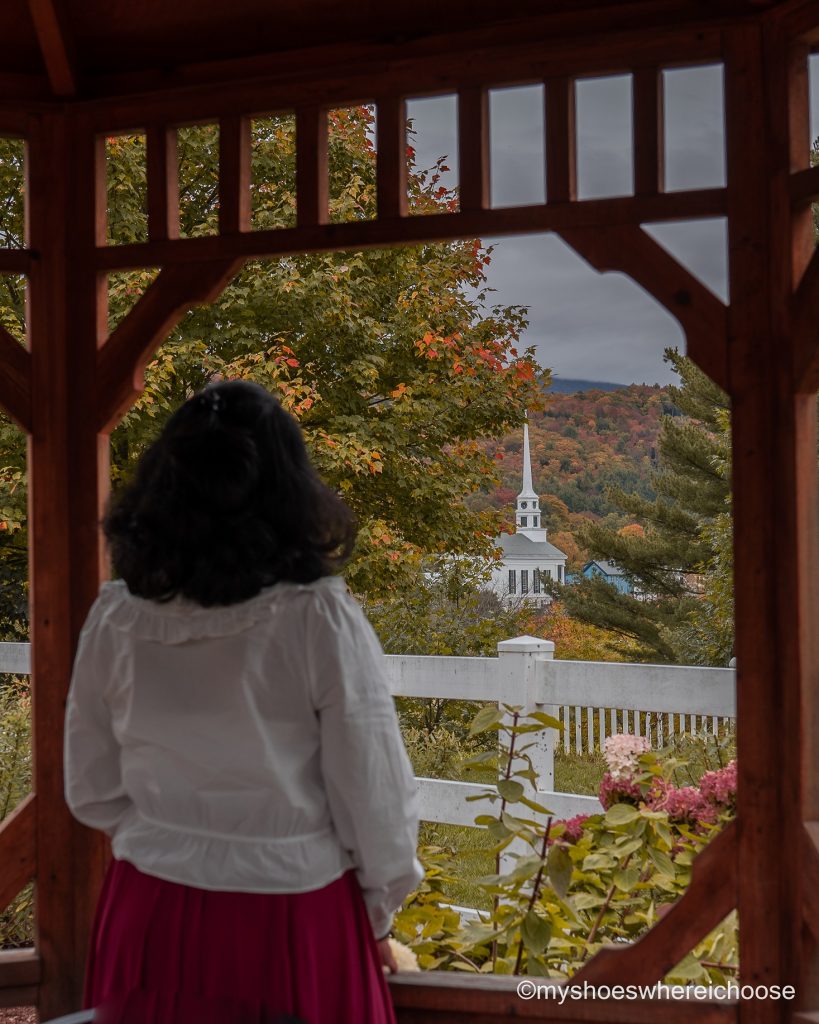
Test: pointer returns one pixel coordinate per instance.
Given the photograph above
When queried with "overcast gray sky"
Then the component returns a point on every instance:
(585, 324)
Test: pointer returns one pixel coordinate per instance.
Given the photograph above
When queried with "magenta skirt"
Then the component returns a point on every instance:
(167, 953)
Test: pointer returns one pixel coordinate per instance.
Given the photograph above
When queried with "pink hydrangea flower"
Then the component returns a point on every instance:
(719, 788)
(618, 790)
(621, 753)
(684, 805)
(574, 827)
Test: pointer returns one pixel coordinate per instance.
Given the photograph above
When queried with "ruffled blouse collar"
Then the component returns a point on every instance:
(180, 619)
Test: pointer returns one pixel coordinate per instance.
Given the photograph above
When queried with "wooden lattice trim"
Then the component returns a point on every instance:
(590, 213)
(473, 149)
(561, 141)
(163, 183)
(702, 316)
(449, 998)
(649, 143)
(234, 174)
(391, 158)
(710, 897)
(123, 358)
(312, 173)
(17, 854)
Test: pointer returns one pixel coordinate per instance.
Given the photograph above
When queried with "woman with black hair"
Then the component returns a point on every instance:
(230, 727)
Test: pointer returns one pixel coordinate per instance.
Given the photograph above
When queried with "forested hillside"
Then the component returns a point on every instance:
(581, 444)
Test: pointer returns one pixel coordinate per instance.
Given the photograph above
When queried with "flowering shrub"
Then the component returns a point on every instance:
(564, 889)
(622, 754)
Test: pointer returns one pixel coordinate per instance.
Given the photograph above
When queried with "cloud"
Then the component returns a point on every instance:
(584, 324)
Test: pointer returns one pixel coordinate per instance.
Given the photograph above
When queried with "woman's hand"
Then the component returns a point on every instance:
(387, 956)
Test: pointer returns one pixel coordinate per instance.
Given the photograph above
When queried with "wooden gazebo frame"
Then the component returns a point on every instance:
(61, 90)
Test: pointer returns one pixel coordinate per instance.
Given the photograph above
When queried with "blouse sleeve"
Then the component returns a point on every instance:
(370, 786)
(93, 780)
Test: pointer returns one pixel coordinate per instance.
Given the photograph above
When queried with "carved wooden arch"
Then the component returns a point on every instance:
(75, 381)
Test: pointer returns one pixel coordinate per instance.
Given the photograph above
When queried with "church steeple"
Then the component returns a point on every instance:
(528, 517)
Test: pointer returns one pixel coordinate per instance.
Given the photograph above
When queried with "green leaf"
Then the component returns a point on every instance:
(548, 720)
(510, 790)
(626, 879)
(621, 814)
(662, 861)
(487, 718)
(587, 900)
(485, 819)
(559, 867)
(535, 932)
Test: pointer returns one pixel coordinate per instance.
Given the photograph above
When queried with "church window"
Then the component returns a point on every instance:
(534, 520)
(560, 573)
(523, 520)
(512, 582)
(524, 581)
(548, 574)
(523, 504)
(536, 581)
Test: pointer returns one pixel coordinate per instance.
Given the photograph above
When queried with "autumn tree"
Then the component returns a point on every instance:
(394, 361)
(670, 561)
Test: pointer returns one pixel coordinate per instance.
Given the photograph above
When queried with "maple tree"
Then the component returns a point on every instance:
(395, 361)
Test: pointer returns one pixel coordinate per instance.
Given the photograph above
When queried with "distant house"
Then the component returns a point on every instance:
(600, 568)
(528, 560)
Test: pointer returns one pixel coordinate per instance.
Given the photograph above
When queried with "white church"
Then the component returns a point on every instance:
(528, 559)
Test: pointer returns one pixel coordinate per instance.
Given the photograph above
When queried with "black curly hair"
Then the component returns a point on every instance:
(225, 502)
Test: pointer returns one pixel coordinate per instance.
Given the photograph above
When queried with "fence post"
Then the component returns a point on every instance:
(528, 651)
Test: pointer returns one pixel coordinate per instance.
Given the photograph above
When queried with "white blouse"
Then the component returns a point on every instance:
(252, 747)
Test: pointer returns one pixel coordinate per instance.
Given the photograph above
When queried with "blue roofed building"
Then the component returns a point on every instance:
(599, 568)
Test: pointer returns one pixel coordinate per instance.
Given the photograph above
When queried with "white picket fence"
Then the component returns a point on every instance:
(593, 699)
(654, 700)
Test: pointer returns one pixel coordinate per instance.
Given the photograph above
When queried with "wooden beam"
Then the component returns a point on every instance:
(391, 157)
(312, 172)
(15, 379)
(234, 175)
(444, 997)
(805, 329)
(649, 133)
(473, 149)
(522, 52)
(804, 185)
(710, 897)
(123, 358)
(55, 45)
(19, 968)
(17, 856)
(163, 184)
(624, 210)
(15, 261)
(701, 314)
(20, 975)
(561, 141)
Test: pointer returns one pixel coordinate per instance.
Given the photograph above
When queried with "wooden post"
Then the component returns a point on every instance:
(768, 447)
(68, 479)
(525, 652)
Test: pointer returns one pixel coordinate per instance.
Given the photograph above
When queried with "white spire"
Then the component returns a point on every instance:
(528, 515)
(527, 490)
